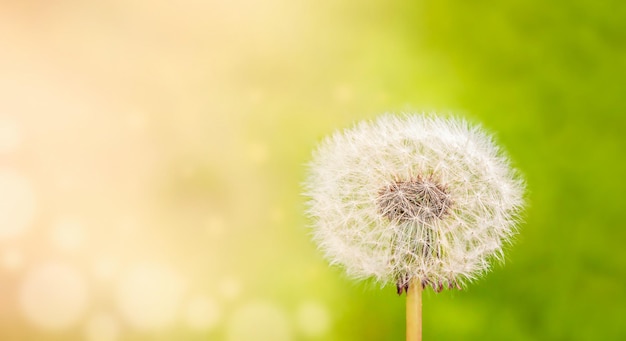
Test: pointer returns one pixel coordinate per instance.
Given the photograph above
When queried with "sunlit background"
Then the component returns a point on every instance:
(152, 155)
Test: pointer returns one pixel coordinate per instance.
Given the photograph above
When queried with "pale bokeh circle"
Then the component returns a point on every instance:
(68, 235)
(17, 204)
(259, 321)
(149, 296)
(313, 319)
(230, 288)
(53, 296)
(102, 327)
(203, 313)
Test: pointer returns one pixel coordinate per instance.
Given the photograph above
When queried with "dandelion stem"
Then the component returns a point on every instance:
(414, 311)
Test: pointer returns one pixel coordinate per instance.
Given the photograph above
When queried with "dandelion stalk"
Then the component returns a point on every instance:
(414, 311)
(416, 201)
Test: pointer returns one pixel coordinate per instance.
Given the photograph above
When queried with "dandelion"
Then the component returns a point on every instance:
(417, 201)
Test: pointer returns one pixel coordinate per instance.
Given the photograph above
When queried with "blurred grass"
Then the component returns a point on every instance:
(548, 79)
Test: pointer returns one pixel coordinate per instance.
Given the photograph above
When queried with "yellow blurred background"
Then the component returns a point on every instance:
(151, 156)
(135, 196)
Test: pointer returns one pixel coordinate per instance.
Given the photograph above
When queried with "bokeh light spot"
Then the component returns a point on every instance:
(215, 225)
(343, 93)
(230, 288)
(17, 204)
(102, 327)
(203, 313)
(256, 96)
(258, 152)
(68, 235)
(259, 321)
(53, 296)
(313, 319)
(149, 296)
(277, 215)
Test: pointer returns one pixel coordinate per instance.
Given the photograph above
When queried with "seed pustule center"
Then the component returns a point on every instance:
(416, 199)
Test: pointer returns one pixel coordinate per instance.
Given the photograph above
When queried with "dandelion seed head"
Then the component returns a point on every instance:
(414, 196)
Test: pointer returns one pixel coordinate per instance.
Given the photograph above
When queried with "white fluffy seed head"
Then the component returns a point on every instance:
(413, 197)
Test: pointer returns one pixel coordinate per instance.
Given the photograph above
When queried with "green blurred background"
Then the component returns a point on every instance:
(152, 155)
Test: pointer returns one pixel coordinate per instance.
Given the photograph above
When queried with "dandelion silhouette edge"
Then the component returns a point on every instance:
(414, 197)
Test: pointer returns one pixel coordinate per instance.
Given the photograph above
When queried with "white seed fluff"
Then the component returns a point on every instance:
(413, 197)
